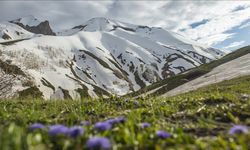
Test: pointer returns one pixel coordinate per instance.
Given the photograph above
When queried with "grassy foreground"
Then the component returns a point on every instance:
(197, 120)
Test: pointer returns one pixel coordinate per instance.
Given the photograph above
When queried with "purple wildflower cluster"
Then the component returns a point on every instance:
(102, 126)
(108, 124)
(117, 120)
(238, 129)
(75, 131)
(36, 126)
(162, 134)
(145, 125)
(59, 129)
(98, 143)
(104, 143)
(85, 123)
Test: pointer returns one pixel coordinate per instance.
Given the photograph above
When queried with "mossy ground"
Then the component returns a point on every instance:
(196, 120)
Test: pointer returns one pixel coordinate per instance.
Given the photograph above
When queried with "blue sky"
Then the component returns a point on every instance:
(239, 38)
(227, 31)
(221, 24)
(196, 24)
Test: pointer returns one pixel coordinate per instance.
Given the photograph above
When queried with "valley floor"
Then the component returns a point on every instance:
(201, 119)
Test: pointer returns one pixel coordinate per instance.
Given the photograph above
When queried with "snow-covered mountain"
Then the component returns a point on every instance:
(34, 25)
(101, 57)
(24, 28)
(10, 32)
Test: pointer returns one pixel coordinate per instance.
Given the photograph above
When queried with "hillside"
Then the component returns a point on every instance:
(233, 69)
(239, 68)
(11, 32)
(100, 57)
(203, 119)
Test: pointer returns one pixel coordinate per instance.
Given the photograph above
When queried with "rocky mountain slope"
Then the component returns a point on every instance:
(10, 32)
(232, 65)
(34, 25)
(233, 69)
(98, 58)
(24, 28)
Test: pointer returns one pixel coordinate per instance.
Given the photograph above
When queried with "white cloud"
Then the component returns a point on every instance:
(215, 39)
(245, 25)
(234, 44)
(61, 14)
(218, 26)
(175, 15)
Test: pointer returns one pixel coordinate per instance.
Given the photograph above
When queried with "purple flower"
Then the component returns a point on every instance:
(85, 123)
(238, 129)
(102, 126)
(117, 120)
(75, 131)
(162, 134)
(98, 143)
(36, 126)
(111, 121)
(58, 129)
(145, 125)
(121, 119)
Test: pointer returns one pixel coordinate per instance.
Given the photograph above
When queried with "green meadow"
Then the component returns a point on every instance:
(197, 120)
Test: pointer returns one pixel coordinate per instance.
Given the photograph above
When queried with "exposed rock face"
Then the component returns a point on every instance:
(42, 28)
(149, 75)
(6, 36)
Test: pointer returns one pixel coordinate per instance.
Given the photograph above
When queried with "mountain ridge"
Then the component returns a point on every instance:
(167, 86)
(32, 24)
(104, 57)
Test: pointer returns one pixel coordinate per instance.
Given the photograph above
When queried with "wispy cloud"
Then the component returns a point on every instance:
(245, 25)
(218, 26)
(205, 21)
(235, 44)
(215, 38)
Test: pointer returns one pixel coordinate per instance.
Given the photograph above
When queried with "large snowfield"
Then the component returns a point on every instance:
(116, 57)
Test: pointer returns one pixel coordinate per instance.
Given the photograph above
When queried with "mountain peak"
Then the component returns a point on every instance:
(97, 24)
(99, 19)
(32, 24)
(27, 20)
(102, 24)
